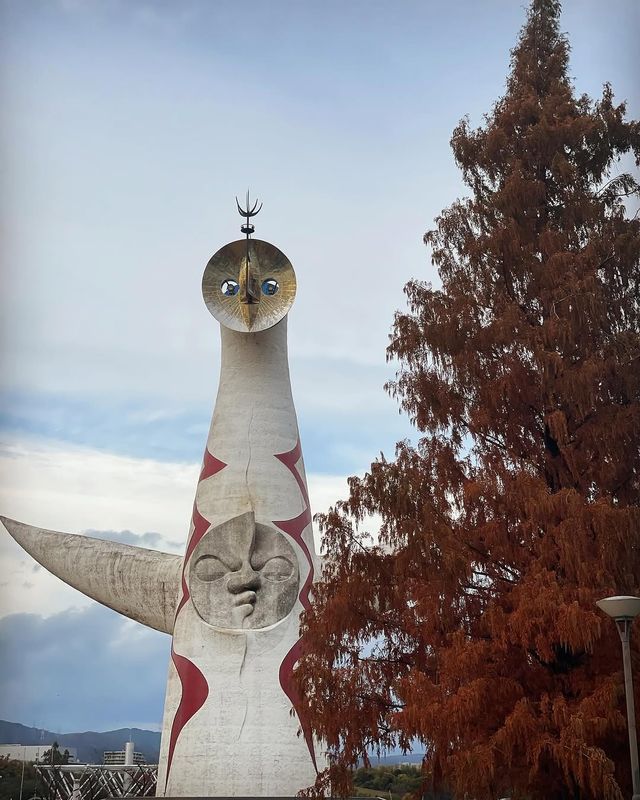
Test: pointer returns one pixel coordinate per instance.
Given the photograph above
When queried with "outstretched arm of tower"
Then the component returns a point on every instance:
(139, 583)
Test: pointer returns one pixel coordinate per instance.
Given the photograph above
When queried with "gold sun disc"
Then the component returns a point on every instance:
(251, 294)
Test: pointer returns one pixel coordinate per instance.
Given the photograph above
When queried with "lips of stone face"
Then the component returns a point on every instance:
(243, 575)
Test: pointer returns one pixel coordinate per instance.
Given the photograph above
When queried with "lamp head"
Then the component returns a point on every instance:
(620, 606)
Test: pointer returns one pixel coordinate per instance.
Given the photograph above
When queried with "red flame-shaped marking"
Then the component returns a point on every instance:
(294, 528)
(195, 689)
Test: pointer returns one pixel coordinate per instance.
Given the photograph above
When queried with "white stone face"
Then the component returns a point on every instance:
(227, 729)
(243, 576)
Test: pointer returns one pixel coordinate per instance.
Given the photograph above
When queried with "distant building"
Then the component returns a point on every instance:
(120, 757)
(34, 752)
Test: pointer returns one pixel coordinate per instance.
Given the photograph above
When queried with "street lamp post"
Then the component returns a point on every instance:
(24, 758)
(624, 609)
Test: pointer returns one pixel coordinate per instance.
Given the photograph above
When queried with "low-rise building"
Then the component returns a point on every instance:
(34, 752)
(119, 757)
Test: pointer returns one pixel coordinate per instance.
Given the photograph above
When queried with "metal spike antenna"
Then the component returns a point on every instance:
(248, 212)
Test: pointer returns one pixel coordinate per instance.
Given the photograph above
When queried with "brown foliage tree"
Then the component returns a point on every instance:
(470, 624)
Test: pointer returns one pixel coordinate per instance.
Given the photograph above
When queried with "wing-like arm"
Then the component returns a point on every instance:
(139, 583)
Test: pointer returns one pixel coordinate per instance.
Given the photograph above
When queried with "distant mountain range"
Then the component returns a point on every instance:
(89, 744)
(92, 744)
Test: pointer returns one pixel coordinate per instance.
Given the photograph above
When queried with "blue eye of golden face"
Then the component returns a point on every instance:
(229, 287)
(270, 287)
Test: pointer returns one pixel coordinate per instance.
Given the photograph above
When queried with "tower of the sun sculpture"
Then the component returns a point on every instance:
(232, 603)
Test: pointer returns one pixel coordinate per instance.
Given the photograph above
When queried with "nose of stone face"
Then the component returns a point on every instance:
(246, 579)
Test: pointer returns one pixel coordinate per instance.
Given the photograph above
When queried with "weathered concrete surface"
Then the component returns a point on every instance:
(141, 584)
(243, 575)
(227, 729)
(237, 594)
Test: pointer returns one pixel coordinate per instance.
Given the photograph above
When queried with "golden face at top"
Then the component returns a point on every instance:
(251, 293)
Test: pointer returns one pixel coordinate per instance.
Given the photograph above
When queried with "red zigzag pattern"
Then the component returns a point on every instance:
(195, 688)
(294, 528)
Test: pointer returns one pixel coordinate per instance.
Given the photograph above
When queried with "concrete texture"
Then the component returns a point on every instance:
(141, 584)
(228, 728)
(243, 575)
(231, 726)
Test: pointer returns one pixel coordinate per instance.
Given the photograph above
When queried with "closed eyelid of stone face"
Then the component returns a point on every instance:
(243, 575)
(277, 569)
(210, 568)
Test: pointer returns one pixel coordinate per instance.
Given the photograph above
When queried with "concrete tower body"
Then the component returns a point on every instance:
(233, 602)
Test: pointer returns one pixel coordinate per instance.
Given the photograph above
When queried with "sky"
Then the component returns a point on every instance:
(128, 128)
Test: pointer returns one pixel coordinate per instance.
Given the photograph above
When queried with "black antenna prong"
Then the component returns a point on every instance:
(248, 212)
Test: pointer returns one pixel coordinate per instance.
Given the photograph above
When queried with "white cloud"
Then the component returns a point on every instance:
(326, 490)
(74, 489)
(75, 641)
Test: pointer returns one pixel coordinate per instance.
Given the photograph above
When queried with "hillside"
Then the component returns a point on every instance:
(90, 744)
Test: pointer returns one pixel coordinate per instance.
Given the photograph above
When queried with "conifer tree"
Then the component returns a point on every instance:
(469, 625)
